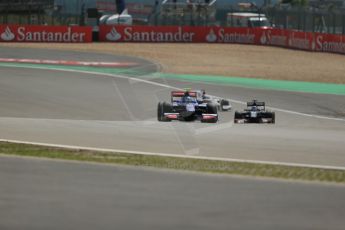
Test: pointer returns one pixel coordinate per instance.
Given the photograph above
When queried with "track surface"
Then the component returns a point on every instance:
(42, 194)
(108, 112)
(99, 111)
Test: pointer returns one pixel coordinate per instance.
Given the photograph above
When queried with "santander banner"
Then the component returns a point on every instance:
(303, 40)
(329, 43)
(22, 33)
(186, 34)
(258, 36)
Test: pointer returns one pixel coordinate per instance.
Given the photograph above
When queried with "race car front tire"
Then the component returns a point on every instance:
(273, 118)
(160, 113)
(237, 116)
(163, 107)
(212, 109)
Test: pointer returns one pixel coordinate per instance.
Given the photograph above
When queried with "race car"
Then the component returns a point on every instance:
(221, 103)
(255, 113)
(184, 106)
(201, 97)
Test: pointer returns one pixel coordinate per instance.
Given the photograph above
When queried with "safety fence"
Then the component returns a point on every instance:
(306, 19)
(323, 17)
(320, 42)
(313, 16)
(309, 19)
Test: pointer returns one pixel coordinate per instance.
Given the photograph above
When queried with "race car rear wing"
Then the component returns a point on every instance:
(176, 96)
(181, 93)
(255, 103)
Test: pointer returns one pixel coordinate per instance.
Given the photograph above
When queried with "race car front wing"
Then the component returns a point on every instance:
(205, 117)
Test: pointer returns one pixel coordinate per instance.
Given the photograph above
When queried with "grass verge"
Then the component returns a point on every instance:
(188, 164)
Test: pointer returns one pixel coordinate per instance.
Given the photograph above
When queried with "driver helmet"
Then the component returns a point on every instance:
(188, 99)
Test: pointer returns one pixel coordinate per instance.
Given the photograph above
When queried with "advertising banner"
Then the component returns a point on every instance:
(286, 38)
(303, 40)
(23, 33)
(273, 37)
(300, 40)
(257, 36)
(184, 34)
(329, 43)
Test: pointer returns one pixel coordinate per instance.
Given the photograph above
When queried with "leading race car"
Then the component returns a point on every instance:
(184, 106)
(255, 113)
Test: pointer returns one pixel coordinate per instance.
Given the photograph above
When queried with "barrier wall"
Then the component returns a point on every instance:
(185, 34)
(23, 33)
(259, 36)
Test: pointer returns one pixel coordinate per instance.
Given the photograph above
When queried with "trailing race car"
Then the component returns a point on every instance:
(221, 103)
(184, 106)
(255, 113)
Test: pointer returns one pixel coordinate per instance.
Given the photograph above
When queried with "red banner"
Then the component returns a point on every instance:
(22, 33)
(258, 36)
(273, 37)
(329, 43)
(304, 40)
(186, 34)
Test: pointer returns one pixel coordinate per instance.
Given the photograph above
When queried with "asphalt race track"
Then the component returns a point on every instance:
(40, 194)
(91, 110)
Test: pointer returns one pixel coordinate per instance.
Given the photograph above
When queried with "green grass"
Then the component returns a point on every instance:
(188, 164)
(295, 86)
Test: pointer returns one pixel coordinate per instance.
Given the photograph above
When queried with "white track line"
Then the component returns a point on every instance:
(174, 155)
(168, 86)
